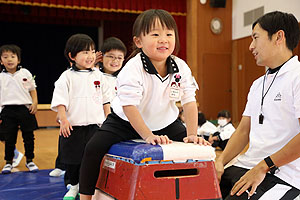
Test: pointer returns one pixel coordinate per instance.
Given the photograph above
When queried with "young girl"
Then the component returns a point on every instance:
(148, 87)
(18, 101)
(114, 52)
(224, 130)
(81, 98)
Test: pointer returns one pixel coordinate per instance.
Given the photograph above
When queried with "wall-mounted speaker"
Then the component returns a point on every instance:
(217, 3)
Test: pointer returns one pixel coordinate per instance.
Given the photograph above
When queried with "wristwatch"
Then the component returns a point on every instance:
(273, 168)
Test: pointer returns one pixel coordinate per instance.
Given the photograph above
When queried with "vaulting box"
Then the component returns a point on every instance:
(134, 170)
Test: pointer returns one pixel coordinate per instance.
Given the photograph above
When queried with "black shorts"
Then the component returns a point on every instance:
(72, 147)
(15, 117)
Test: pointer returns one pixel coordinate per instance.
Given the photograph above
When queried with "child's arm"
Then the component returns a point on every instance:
(191, 120)
(65, 126)
(139, 125)
(33, 106)
(106, 108)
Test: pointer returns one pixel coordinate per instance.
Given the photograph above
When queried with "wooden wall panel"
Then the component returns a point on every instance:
(201, 41)
(244, 72)
(216, 84)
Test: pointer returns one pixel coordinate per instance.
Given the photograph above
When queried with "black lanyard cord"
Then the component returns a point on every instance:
(263, 95)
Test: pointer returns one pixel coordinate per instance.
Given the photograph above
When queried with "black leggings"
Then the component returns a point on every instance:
(114, 130)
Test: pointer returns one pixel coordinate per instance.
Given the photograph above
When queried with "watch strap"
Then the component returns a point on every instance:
(273, 168)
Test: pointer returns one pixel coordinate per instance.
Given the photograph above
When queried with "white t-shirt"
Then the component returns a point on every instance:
(206, 129)
(139, 84)
(83, 93)
(226, 131)
(112, 82)
(15, 88)
(281, 110)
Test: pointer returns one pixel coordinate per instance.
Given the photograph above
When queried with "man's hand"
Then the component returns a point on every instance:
(252, 179)
(220, 169)
(196, 140)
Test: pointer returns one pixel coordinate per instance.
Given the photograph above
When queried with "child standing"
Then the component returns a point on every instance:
(148, 87)
(224, 130)
(114, 52)
(81, 98)
(18, 102)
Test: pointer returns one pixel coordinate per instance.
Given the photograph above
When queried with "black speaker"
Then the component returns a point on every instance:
(217, 3)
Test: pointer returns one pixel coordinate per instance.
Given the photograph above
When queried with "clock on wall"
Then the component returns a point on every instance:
(216, 25)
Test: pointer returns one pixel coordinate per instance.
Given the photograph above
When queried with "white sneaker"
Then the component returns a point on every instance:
(57, 172)
(32, 167)
(72, 193)
(68, 186)
(17, 159)
(7, 169)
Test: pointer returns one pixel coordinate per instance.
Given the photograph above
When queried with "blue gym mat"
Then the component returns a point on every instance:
(31, 186)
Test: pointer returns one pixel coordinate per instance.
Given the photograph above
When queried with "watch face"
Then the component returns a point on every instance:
(216, 25)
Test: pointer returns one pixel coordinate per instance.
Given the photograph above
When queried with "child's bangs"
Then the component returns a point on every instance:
(165, 21)
(89, 46)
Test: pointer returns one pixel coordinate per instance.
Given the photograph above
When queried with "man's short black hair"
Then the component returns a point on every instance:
(275, 21)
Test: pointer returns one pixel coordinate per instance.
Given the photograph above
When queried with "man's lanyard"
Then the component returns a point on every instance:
(261, 116)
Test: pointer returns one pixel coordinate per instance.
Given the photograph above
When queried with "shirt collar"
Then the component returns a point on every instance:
(18, 68)
(272, 71)
(149, 67)
(288, 65)
(80, 70)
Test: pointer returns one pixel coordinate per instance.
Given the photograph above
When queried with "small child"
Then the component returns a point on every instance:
(205, 128)
(148, 87)
(224, 130)
(18, 102)
(114, 52)
(82, 99)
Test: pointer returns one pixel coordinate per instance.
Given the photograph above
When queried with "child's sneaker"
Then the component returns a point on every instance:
(72, 193)
(7, 169)
(17, 158)
(57, 172)
(32, 167)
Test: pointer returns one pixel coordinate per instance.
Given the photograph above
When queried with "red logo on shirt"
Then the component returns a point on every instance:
(97, 84)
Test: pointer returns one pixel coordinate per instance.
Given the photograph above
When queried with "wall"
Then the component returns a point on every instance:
(239, 7)
(209, 56)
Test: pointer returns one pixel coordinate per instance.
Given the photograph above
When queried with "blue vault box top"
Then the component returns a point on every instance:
(139, 151)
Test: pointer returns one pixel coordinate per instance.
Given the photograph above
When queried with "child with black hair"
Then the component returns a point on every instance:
(114, 52)
(82, 99)
(224, 130)
(18, 104)
(148, 87)
(205, 127)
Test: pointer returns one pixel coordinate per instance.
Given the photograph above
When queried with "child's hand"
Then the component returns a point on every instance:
(33, 108)
(211, 139)
(158, 139)
(196, 140)
(65, 128)
(99, 57)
